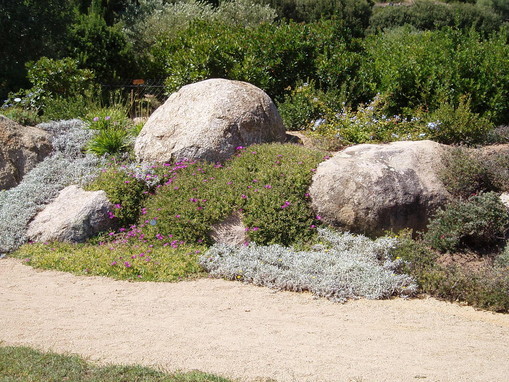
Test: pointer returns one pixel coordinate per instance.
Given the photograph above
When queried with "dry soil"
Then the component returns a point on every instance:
(247, 332)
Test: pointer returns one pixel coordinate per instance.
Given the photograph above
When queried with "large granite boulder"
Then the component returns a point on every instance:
(373, 188)
(21, 148)
(73, 216)
(208, 120)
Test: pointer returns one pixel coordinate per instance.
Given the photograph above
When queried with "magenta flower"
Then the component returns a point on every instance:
(243, 196)
(268, 186)
(96, 119)
(127, 264)
(113, 263)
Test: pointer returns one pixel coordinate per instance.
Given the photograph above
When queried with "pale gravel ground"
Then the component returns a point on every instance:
(245, 332)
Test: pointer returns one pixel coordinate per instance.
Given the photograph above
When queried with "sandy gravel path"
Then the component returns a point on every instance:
(246, 332)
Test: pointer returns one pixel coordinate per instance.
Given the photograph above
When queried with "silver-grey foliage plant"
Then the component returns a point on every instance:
(347, 267)
(66, 165)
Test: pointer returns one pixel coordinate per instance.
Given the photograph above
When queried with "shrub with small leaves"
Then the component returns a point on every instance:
(266, 183)
(464, 173)
(346, 267)
(124, 191)
(478, 221)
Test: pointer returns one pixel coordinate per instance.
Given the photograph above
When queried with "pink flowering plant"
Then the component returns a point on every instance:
(256, 182)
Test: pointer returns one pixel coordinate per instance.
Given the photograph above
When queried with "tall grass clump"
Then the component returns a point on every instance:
(266, 184)
(346, 267)
(66, 165)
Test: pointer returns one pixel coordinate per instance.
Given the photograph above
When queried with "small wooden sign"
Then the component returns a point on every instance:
(138, 82)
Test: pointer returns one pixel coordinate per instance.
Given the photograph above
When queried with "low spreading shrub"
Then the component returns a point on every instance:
(66, 165)
(481, 220)
(464, 173)
(266, 183)
(486, 288)
(126, 192)
(346, 267)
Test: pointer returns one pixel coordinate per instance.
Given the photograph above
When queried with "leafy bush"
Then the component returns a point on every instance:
(352, 14)
(271, 56)
(486, 288)
(479, 221)
(136, 261)
(458, 124)
(52, 79)
(464, 173)
(440, 67)
(266, 183)
(65, 166)
(124, 191)
(429, 15)
(101, 48)
(348, 267)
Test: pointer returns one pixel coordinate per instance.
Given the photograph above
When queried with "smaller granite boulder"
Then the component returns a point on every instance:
(230, 231)
(74, 216)
(21, 148)
(208, 120)
(373, 188)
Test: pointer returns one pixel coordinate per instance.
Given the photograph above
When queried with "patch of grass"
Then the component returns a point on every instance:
(25, 364)
(127, 257)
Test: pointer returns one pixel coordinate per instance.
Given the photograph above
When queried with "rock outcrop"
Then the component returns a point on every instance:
(373, 188)
(21, 148)
(73, 216)
(208, 120)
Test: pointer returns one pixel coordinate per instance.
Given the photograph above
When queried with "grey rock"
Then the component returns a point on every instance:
(373, 188)
(21, 148)
(230, 231)
(208, 120)
(73, 216)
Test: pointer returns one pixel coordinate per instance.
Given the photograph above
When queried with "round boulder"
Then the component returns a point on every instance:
(371, 188)
(208, 120)
(21, 148)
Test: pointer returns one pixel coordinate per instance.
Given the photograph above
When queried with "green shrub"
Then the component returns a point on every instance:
(116, 132)
(101, 48)
(267, 184)
(302, 106)
(25, 117)
(135, 260)
(271, 56)
(479, 221)
(368, 124)
(458, 124)
(429, 15)
(52, 79)
(486, 288)
(497, 165)
(424, 70)
(465, 173)
(124, 191)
